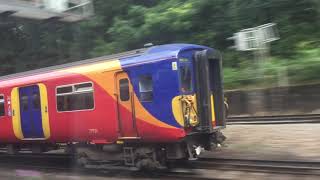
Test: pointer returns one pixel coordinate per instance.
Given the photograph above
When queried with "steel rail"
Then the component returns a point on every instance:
(267, 166)
(283, 119)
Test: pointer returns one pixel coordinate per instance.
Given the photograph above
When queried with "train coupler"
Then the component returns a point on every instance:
(215, 141)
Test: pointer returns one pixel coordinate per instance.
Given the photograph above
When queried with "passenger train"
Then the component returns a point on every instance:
(153, 104)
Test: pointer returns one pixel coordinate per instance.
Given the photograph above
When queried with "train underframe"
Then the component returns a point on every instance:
(135, 153)
(151, 155)
(138, 154)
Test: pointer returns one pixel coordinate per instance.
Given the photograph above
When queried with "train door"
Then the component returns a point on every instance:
(126, 114)
(30, 112)
(210, 100)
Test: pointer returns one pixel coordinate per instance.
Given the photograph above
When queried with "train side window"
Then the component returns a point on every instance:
(146, 88)
(124, 89)
(2, 110)
(75, 97)
(83, 87)
(66, 89)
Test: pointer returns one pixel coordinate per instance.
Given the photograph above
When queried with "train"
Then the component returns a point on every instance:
(150, 105)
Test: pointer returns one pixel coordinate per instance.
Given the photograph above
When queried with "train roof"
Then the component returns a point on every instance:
(126, 58)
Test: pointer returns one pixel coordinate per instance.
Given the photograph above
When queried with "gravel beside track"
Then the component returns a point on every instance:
(273, 142)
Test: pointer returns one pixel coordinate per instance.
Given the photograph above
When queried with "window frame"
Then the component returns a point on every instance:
(4, 106)
(75, 92)
(143, 76)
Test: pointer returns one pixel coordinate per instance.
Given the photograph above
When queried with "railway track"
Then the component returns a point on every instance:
(61, 164)
(266, 166)
(288, 119)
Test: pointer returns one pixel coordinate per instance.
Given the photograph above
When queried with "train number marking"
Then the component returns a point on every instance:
(93, 131)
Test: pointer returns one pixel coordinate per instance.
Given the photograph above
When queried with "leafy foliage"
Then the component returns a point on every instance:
(129, 24)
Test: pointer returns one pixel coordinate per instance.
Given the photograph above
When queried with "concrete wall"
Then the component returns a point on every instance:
(275, 101)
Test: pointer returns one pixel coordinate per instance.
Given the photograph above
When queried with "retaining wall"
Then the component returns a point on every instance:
(274, 101)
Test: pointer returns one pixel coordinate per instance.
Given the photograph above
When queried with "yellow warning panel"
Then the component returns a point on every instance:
(213, 114)
(44, 110)
(16, 119)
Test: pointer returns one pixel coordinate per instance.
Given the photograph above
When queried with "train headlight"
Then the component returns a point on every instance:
(193, 121)
(189, 111)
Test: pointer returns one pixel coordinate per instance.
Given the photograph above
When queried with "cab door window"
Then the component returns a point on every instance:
(2, 111)
(124, 89)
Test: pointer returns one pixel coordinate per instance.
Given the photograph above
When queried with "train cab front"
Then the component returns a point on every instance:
(200, 106)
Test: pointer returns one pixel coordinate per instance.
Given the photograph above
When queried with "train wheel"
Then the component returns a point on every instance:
(82, 160)
(70, 149)
(147, 164)
(147, 159)
(36, 149)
